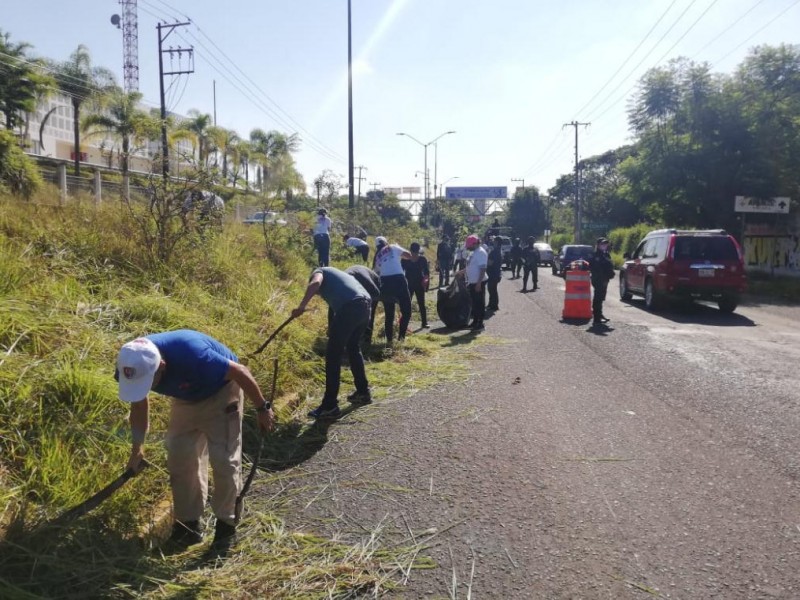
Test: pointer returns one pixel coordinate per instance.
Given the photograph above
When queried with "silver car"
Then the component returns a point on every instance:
(545, 253)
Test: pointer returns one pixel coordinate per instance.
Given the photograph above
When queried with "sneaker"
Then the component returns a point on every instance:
(477, 326)
(360, 397)
(224, 538)
(604, 319)
(185, 534)
(325, 413)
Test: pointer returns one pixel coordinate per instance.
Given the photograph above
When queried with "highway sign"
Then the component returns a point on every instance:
(476, 192)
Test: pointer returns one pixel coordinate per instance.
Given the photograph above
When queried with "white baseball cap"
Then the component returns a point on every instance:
(381, 241)
(137, 364)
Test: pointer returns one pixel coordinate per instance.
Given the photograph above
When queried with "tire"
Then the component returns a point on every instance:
(624, 293)
(728, 304)
(652, 299)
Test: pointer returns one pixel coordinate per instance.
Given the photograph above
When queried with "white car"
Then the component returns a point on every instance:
(545, 253)
(262, 217)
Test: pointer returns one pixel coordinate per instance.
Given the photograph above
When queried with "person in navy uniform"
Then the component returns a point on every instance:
(602, 270)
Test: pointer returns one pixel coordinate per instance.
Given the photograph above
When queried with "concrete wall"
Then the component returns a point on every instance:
(773, 247)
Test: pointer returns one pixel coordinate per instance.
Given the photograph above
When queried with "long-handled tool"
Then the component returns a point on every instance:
(246, 487)
(272, 337)
(100, 497)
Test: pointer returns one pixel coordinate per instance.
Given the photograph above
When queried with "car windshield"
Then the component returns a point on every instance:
(705, 248)
(578, 252)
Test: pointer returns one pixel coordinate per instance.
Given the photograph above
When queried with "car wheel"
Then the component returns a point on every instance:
(624, 293)
(652, 299)
(728, 304)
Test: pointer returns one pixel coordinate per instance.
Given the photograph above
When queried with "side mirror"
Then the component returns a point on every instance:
(627, 256)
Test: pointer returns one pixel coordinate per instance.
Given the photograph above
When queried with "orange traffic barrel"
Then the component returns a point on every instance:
(578, 297)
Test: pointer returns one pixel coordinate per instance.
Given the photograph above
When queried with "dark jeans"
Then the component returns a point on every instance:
(534, 272)
(419, 291)
(600, 289)
(394, 288)
(364, 252)
(478, 302)
(494, 299)
(344, 333)
(516, 267)
(444, 272)
(322, 242)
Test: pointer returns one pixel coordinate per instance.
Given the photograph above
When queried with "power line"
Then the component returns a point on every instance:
(630, 56)
(310, 139)
(644, 58)
(728, 28)
(759, 30)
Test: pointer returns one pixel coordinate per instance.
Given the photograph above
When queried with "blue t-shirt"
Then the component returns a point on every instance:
(338, 288)
(495, 267)
(196, 364)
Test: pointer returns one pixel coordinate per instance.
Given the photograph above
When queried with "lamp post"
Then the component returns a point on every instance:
(523, 185)
(446, 182)
(425, 146)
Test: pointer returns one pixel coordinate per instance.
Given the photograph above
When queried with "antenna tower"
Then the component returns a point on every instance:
(130, 45)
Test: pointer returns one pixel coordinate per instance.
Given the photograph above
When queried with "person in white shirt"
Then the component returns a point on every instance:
(322, 237)
(394, 287)
(358, 245)
(462, 254)
(475, 275)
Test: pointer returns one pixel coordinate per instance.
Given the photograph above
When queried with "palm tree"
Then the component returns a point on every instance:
(224, 140)
(270, 147)
(123, 119)
(79, 80)
(21, 85)
(198, 126)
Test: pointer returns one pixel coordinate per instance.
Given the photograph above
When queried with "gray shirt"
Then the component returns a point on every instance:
(338, 288)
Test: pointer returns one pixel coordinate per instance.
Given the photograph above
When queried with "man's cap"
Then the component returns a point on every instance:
(531, 239)
(602, 240)
(414, 247)
(381, 241)
(322, 211)
(472, 240)
(137, 364)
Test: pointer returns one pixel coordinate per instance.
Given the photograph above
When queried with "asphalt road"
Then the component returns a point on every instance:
(657, 458)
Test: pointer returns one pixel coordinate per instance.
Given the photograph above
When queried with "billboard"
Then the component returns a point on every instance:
(412, 190)
(394, 191)
(476, 192)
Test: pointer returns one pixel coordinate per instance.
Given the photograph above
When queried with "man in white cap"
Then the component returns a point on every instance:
(206, 385)
(394, 287)
(475, 275)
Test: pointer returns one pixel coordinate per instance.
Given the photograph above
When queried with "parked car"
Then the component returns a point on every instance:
(677, 264)
(545, 253)
(569, 253)
(262, 217)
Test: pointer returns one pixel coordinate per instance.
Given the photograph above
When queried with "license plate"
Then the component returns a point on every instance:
(705, 272)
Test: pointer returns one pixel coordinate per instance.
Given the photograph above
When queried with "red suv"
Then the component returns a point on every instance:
(676, 264)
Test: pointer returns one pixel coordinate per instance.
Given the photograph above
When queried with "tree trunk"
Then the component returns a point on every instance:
(76, 128)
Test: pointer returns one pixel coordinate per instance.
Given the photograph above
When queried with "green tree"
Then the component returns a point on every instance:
(18, 173)
(81, 81)
(21, 81)
(124, 120)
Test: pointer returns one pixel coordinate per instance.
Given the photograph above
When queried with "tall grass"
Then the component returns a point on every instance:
(75, 285)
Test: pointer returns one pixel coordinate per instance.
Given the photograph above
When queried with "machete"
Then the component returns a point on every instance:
(100, 497)
(246, 487)
(272, 337)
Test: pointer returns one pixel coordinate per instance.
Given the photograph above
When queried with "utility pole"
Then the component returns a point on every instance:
(523, 185)
(374, 186)
(351, 201)
(360, 179)
(169, 28)
(578, 208)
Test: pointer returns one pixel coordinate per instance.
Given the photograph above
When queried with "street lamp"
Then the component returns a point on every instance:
(425, 146)
(446, 182)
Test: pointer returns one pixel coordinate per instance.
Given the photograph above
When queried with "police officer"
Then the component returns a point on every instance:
(444, 260)
(530, 264)
(602, 270)
(515, 254)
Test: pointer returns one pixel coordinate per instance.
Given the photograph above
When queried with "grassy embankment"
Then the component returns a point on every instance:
(76, 283)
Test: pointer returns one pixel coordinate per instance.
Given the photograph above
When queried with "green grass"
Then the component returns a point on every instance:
(75, 285)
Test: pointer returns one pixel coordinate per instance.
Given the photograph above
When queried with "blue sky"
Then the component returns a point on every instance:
(504, 74)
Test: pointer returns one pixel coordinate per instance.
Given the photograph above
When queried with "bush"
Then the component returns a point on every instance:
(625, 239)
(18, 173)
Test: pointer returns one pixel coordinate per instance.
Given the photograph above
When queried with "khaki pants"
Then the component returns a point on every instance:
(198, 433)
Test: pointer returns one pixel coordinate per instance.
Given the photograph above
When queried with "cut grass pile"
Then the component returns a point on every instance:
(74, 286)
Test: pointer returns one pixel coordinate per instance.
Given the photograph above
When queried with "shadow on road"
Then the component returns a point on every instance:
(698, 314)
